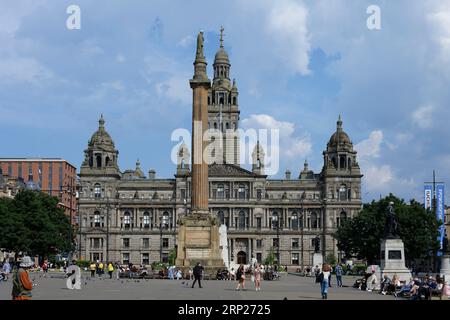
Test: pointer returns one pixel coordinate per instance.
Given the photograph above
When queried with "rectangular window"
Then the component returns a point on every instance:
(259, 194)
(125, 258)
(146, 243)
(126, 242)
(275, 242)
(30, 172)
(20, 170)
(9, 169)
(259, 243)
(165, 242)
(295, 243)
(258, 223)
(165, 257)
(295, 259)
(96, 243)
(145, 259)
(259, 257)
(183, 194)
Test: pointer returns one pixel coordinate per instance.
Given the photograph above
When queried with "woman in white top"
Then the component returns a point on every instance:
(323, 279)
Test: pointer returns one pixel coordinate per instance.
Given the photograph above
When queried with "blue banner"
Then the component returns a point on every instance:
(440, 211)
(428, 196)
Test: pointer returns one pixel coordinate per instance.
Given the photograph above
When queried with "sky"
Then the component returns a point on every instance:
(298, 64)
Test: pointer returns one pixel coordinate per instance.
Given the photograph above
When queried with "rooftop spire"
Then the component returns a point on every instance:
(101, 123)
(221, 36)
(339, 123)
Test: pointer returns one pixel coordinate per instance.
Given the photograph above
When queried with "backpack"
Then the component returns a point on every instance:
(319, 278)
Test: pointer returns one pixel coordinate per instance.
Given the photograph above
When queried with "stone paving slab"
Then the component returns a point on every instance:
(290, 286)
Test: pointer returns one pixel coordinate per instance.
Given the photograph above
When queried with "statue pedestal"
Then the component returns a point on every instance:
(393, 259)
(445, 267)
(317, 260)
(199, 241)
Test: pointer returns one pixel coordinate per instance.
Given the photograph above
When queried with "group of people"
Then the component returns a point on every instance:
(100, 267)
(414, 289)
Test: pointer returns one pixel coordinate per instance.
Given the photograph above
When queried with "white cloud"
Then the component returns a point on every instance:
(377, 178)
(370, 147)
(290, 144)
(287, 23)
(23, 70)
(176, 88)
(422, 117)
(120, 58)
(439, 20)
(186, 41)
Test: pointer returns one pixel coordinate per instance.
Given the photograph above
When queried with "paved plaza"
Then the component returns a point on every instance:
(291, 287)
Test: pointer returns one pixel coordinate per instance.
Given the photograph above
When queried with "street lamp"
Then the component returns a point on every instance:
(163, 224)
(275, 220)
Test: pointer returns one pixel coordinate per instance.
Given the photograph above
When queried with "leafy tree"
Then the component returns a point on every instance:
(270, 259)
(32, 222)
(361, 236)
(172, 256)
(330, 259)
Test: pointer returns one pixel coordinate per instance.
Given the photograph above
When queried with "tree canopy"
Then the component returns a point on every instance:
(361, 236)
(33, 223)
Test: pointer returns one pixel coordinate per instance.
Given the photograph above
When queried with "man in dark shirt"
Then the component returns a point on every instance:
(197, 274)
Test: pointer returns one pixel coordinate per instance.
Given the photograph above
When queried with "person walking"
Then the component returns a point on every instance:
(6, 269)
(198, 270)
(22, 284)
(100, 269)
(191, 274)
(324, 277)
(339, 272)
(92, 268)
(257, 276)
(110, 270)
(240, 277)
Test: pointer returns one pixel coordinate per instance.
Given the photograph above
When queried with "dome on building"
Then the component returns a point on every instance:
(221, 57)
(101, 137)
(339, 137)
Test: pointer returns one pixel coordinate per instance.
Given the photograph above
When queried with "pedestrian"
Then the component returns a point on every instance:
(179, 275)
(100, 269)
(22, 284)
(191, 274)
(339, 272)
(92, 268)
(240, 277)
(372, 281)
(198, 270)
(257, 276)
(232, 274)
(110, 270)
(6, 269)
(324, 276)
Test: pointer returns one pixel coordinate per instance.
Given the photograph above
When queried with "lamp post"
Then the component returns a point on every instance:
(277, 225)
(301, 231)
(162, 224)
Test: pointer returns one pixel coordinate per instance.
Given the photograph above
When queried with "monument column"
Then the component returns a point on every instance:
(199, 237)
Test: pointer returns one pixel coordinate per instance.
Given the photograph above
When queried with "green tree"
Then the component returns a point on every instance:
(33, 223)
(172, 256)
(330, 259)
(270, 259)
(361, 236)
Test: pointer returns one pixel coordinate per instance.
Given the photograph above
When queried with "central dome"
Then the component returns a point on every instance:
(339, 137)
(101, 137)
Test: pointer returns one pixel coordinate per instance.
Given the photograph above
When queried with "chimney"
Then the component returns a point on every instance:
(151, 174)
(288, 175)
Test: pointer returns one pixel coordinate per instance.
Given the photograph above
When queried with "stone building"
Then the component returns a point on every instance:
(132, 217)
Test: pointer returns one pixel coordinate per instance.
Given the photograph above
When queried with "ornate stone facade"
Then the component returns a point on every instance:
(128, 217)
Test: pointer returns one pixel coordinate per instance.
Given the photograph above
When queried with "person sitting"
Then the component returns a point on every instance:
(435, 287)
(405, 289)
(385, 284)
(372, 281)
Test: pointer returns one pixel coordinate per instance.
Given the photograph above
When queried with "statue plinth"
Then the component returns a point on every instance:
(199, 241)
(445, 266)
(393, 259)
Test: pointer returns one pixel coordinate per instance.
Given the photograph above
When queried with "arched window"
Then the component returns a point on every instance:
(241, 220)
(342, 162)
(166, 220)
(220, 191)
(97, 190)
(227, 125)
(343, 192)
(127, 219)
(99, 161)
(221, 217)
(241, 191)
(314, 221)
(294, 221)
(107, 162)
(275, 221)
(209, 100)
(97, 219)
(234, 101)
(146, 220)
(215, 125)
(333, 160)
(342, 216)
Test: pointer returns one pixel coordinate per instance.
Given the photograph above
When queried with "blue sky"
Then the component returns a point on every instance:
(298, 65)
